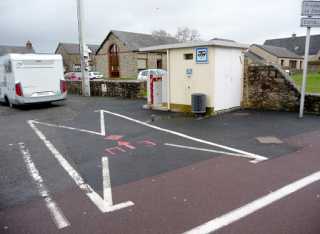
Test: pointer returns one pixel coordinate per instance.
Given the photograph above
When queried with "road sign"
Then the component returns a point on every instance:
(311, 8)
(310, 22)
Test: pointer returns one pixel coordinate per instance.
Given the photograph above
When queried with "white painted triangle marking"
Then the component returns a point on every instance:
(102, 205)
(101, 133)
(256, 158)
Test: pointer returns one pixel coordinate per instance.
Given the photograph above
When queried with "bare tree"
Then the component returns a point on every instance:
(161, 33)
(185, 34)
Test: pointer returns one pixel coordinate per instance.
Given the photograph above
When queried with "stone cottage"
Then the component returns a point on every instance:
(296, 44)
(70, 53)
(278, 55)
(118, 56)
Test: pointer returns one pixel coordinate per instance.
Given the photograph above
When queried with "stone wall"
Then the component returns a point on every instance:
(123, 89)
(269, 88)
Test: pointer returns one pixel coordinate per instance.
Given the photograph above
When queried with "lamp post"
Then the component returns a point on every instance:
(84, 71)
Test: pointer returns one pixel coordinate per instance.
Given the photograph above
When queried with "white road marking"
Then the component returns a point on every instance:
(254, 206)
(207, 150)
(94, 197)
(56, 213)
(101, 133)
(69, 128)
(255, 157)
(107, 194)
(102, 124)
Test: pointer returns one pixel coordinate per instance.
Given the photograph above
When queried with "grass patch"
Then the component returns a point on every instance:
(313, 82)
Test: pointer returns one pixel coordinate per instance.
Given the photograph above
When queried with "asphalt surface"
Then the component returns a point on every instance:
(173, 189)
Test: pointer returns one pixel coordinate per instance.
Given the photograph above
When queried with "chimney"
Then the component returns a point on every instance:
(29, 45)
(294, 35)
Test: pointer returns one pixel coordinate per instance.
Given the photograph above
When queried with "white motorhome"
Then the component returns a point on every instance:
(31, 78)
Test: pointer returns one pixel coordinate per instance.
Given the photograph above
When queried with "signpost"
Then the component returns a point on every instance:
(310, 22)
(309, 9)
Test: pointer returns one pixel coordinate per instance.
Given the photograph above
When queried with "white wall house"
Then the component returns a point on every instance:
(214, 68)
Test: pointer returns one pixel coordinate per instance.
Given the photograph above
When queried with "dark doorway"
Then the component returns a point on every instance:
(159, 64)
(114, 67)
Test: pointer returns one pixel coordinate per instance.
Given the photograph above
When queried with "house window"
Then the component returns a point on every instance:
(293, 64)
(159, 64)
(114, 67)
(301, 64)
(188, 56)
(142, 64)
(282, 62)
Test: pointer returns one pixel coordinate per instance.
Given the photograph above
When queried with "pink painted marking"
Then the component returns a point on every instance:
(114, 150)
(147, 143)
(126, 144)
(114, 137)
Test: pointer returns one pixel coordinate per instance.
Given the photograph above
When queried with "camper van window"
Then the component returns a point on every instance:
(8, 67)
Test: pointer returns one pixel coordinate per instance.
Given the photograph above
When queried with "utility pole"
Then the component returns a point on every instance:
(84, 71)
(305, 72)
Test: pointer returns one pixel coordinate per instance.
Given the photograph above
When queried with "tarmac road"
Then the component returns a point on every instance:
(175, 183)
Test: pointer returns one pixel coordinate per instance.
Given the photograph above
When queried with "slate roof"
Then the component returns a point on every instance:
(279, 52)
(221, 39)
(255, 58)
(73, 48)
(135, 41)
(297, 44)
(15, 49)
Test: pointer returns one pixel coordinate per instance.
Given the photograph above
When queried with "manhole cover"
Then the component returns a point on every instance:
(269, 140)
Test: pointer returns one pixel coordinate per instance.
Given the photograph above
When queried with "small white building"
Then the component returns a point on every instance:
(213, 68)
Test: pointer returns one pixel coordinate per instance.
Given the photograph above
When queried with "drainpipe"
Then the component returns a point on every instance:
(168, 80)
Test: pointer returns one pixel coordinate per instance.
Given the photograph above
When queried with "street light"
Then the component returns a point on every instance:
(84, 72)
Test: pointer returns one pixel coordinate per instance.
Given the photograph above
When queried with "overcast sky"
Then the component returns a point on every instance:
(47, 22)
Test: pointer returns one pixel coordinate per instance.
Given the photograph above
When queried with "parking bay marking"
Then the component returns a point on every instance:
(56, 213)
(256, 158)
(103, 206)
(254, 206)
(208, 150)
(101, 133)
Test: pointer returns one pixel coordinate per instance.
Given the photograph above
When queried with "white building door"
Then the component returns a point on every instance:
(228, 78)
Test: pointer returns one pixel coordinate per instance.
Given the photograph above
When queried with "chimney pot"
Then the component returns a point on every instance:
(294, 35)
(29, 44)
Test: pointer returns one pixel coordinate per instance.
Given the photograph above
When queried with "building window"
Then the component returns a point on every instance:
(282, 62)
(141, 64)
(114, 67)
(293, 64)
(301, 64)
(159, 64)
(188, 56)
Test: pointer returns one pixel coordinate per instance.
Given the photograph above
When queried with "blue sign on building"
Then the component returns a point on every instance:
(202, 55)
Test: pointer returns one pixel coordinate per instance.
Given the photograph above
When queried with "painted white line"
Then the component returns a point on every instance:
(255, 157)
(107, 194)
(255, 161)
(254, 206)
(102, 124)
(69, 128)
(56, 213)
(94, 197)
(206, 150)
